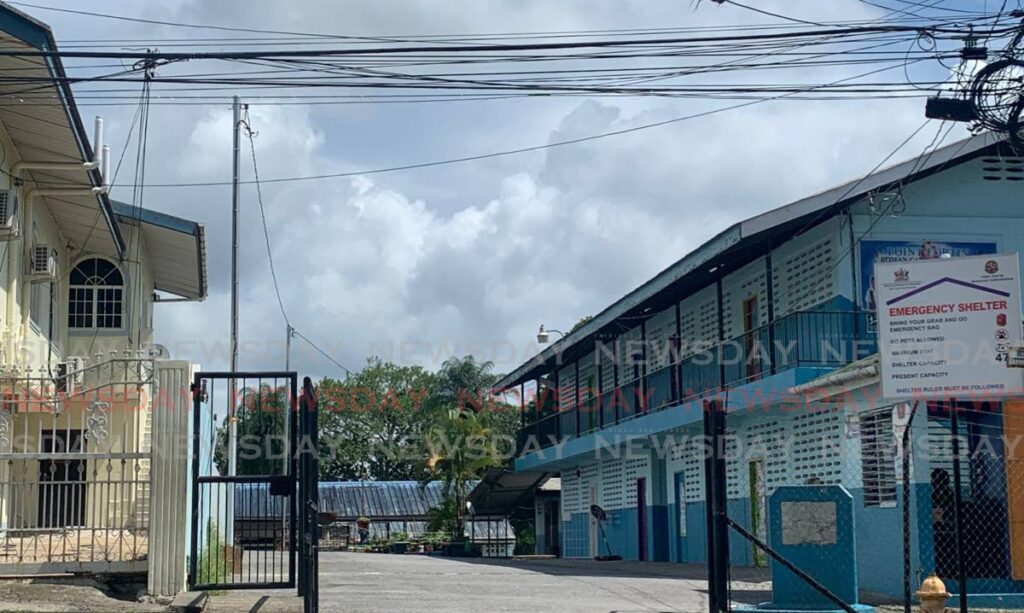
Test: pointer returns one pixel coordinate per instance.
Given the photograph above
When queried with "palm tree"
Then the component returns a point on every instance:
(460, 447)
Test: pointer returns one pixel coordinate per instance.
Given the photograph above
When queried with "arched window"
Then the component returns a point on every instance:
(96, 296)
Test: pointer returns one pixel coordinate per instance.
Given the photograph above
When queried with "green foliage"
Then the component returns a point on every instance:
(581, 322)
(215, 562)
(526, 535)
(461, 447)
(400, 537)
(390, 422)
(443, 519)
(371, 423)
(435, 537)
(260, 430)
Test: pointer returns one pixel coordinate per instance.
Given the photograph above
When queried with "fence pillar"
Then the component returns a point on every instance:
(716, 501)
(169, 477)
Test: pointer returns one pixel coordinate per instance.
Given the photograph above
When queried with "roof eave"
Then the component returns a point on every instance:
(825, 204)
(39, 35)
(126, 213)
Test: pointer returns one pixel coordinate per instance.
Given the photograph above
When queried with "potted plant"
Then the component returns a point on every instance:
(400, 543)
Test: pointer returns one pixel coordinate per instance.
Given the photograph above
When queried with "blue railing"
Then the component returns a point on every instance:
(806, 338)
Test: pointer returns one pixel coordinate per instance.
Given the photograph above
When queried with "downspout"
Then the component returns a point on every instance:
(13, 264)
(24, 298)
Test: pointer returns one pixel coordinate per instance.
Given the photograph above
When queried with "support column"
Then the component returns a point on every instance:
(770, 296)
(721, 332)
(169, 478)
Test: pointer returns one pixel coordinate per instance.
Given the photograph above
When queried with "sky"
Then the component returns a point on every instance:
(422, 265)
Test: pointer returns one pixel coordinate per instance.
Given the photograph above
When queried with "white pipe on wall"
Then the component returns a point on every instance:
(97, 142)
(93, 164)
(106, 167)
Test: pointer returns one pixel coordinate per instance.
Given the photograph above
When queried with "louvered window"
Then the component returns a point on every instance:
(877, 458)
(804, 280)
(698, 322)
(660, 330)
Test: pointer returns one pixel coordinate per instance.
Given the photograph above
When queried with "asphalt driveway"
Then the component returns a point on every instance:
(379, 583)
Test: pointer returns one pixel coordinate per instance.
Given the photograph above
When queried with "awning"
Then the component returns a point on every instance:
(177, 248)
(502, 491)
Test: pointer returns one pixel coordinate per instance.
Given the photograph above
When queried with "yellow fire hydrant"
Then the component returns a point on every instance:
(933, 595)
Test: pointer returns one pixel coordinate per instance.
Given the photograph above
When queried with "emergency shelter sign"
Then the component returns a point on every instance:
(945, 327)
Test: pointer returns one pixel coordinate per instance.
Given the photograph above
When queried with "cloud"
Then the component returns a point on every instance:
(470, 258)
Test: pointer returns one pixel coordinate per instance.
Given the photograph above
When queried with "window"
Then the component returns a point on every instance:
(96, 298)
(878, 458)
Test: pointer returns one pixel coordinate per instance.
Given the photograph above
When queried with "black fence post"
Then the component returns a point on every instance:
(906, 509)
(309, 501)
(958, 508)
(717, 517)
(709, 507)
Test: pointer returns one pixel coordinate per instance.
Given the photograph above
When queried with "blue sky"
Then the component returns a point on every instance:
(419, 265)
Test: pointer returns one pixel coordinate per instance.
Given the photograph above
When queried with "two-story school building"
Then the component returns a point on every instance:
(774, 317)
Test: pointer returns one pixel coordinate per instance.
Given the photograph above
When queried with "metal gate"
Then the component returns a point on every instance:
(245, 477)
(309, 497)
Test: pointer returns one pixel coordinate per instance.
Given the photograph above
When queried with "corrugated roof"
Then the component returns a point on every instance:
(350, 499)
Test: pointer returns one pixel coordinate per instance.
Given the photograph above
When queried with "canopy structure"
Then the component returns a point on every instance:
(501, 491)
(177, 248)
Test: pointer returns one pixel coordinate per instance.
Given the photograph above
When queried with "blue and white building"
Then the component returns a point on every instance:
(773, 317)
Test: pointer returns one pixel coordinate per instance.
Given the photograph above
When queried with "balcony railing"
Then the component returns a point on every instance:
(806, 338)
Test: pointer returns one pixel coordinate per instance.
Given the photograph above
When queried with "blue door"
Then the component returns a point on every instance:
(680, 518)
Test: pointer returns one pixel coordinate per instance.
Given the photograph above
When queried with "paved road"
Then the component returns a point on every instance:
(380, 583)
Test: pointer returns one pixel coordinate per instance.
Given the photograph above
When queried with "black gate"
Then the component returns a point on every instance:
(309, 497)
(245, 477)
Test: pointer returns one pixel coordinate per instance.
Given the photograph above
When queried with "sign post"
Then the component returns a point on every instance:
(945, 327)
(945, 330)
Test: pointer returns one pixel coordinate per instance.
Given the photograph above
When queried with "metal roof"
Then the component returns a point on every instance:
(53, 133)
(350, 499)
(502, 491)
(177, 247)
(740, 243)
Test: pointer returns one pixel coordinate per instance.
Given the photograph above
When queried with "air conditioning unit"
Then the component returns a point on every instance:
(71, 374)
(43, 263)
(8, 213)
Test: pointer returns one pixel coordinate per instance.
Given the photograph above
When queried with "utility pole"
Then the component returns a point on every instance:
(234, 232)
(232, 418)
(236, 164)
(288, 349)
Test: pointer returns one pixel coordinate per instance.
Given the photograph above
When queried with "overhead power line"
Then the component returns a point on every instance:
(175, 56)
(320, 37)
(321, 351)
(508, 152)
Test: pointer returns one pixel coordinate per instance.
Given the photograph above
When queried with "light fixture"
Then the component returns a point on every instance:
(544, 335)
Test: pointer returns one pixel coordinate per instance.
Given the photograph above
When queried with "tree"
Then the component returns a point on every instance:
(460, 447)
(467, 384)
(372, 423)
(259, 432)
